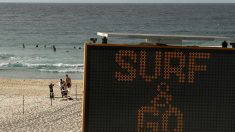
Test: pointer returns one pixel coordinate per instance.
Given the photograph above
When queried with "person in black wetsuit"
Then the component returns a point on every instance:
(54, 48)
(104, 40)
(224, 44)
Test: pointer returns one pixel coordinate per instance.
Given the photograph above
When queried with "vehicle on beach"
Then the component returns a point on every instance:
(166, 39)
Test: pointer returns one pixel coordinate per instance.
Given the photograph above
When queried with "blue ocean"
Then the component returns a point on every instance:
(39, 27)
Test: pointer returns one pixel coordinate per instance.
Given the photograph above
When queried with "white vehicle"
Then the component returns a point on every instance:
(166, 39)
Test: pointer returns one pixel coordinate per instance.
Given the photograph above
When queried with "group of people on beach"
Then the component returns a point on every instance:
(65, 87)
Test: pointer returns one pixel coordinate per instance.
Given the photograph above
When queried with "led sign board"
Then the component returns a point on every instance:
(159, 89)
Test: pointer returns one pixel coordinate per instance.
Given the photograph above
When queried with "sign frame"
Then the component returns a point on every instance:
(87, 46)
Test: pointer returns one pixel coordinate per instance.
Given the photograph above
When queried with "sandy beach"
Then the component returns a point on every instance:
(37, 113)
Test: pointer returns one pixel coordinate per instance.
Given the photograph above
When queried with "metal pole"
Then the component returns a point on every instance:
(51, 101)
(76, 92)
(23, 104)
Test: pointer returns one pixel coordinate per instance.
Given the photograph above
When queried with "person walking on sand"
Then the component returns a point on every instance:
(68, 82)
(51, 90)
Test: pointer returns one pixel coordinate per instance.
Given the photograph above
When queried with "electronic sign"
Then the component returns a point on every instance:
(158, 89)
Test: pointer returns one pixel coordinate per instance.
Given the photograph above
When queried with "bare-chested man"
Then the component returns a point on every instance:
(68, 81)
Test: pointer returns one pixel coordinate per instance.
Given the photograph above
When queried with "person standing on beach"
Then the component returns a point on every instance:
(51, 90)
(65, 90)
(68, 82)
(62, 87)
(224, 44)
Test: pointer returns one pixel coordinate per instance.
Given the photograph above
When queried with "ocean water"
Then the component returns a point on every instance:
(68, 26)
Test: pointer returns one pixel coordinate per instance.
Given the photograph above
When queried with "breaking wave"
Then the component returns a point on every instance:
(18, 64)
(55, 68)
(63, 71)
(4, 56)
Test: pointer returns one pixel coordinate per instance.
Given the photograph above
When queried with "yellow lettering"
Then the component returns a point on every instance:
(196, 68)
(178, 71)
(124, 65)
(148, 78)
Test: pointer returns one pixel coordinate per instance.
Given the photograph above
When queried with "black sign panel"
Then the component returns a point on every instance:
(159, 89)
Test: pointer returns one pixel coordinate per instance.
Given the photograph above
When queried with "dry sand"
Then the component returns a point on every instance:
(37, 113)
